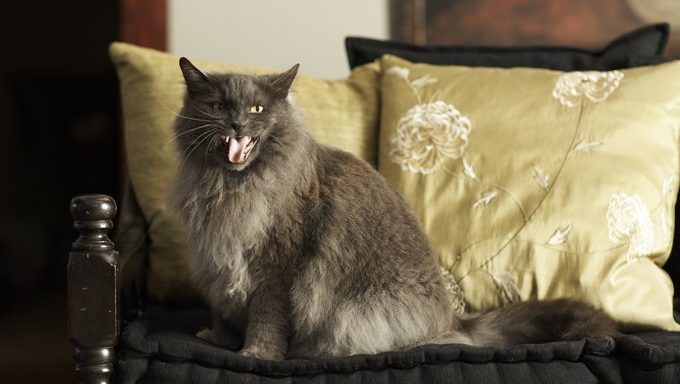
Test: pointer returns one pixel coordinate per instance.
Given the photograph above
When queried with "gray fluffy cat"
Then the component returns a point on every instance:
(303, 250)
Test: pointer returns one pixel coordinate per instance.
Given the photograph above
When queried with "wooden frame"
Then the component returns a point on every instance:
(578, 23)
(144, 22)
(408, 21)
(93, 298)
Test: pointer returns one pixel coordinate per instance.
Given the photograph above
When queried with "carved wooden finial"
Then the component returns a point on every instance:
(93, 207)
(93, 215)
(93, 288)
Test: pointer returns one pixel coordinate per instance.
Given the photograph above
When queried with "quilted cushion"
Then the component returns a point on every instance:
(649, 357)
(159, 347)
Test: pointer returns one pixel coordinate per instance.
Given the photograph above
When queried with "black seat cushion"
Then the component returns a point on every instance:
(159, 347)
(649, 357)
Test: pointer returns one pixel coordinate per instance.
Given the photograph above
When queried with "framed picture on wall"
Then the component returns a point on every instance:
(579, 23)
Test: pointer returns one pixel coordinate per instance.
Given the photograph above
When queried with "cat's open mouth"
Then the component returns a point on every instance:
(239, 147)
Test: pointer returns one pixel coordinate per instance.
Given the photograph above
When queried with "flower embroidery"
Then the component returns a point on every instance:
(424, 81)
(560, 235)
(666, 224)
(571, 87)
(586, 146)
(428, 132)
(542, 177)
(668, 185)
(468, 170)
(486, 198)
(629, 222)
(401, 72)
(455, 293)
(506, 285)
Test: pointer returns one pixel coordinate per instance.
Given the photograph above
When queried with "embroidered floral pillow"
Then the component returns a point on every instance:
(541, 184)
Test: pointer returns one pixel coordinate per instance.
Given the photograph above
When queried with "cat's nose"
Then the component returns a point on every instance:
(237, 125)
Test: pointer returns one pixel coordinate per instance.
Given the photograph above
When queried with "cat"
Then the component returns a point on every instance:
(305, 251)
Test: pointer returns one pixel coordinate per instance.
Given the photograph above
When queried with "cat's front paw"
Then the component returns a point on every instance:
(206, 334)
(226, 340)
(261, 353)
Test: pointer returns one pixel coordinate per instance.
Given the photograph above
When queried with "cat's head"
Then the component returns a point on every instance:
(228, 119)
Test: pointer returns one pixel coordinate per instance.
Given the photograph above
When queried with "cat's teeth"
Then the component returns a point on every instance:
(238, 148)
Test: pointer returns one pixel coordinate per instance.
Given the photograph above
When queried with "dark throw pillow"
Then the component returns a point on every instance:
(643, 42)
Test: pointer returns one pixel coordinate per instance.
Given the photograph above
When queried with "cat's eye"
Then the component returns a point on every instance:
(256, 109)
(217, 106)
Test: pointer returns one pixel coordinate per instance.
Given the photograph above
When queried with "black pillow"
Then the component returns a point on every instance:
(642, 61)
(646, 41)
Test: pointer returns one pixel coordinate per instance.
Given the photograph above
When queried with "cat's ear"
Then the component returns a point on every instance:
(196, 80)
(281, 82)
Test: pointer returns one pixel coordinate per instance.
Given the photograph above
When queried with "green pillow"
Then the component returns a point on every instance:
(541, 184)
(342, 113)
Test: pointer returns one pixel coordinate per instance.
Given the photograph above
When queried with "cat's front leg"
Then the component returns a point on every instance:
(268, 322)
(227, 332)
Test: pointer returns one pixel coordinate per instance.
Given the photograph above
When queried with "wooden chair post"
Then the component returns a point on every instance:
(93, 298)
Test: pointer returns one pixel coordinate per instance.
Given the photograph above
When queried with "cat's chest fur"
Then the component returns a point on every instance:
(229, 231)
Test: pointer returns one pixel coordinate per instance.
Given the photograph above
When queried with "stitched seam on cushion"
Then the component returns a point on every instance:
(175, 360)
(179, 360)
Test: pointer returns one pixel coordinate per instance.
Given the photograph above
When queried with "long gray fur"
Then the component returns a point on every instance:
(304, 250)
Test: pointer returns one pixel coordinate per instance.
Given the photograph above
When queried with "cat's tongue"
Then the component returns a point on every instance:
(237, 148)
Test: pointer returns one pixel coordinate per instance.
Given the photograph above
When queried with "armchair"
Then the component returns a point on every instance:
(118, 337)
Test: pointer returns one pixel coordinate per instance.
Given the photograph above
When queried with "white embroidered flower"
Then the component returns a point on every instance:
(423, 81)
(542, 177)
(401, 72)
(560, 235)
(507, 285)
(628, 221)
(455, 293)
(571, 87)
(468, 170)
(668, 185)
(586, 146)
(427, 132)
(485, 198)
(666, 223)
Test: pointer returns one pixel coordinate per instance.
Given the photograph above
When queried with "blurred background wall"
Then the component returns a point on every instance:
(274, 34)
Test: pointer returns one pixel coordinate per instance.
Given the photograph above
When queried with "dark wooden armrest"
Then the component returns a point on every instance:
(93, 288)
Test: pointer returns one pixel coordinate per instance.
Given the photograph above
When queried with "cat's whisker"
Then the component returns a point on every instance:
(175, 137)
(198, 139)
(207, 149)
(178, 115)
(194, 119)
(205, 113)
(194, 144)
(205, 136)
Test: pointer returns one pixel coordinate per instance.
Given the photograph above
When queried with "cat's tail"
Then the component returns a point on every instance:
(532, 322)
